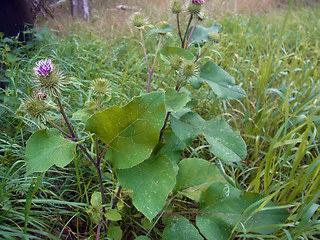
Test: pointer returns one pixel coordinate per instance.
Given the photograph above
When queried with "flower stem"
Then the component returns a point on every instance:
(178, 25)
(185, 35)
(144, 51)
(61, 110)
(194, 26)
(59, 128)
(153, 65)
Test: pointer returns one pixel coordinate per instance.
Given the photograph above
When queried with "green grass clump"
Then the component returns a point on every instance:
(276, 59)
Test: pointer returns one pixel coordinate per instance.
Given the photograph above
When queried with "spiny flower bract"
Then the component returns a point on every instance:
(47, 77)
(35, 108)
(101, 86)
(190, 69)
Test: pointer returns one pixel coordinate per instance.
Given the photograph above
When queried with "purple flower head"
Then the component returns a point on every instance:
(197, 1)
(43, 67)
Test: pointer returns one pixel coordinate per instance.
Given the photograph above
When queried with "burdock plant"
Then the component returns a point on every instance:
(47, 77)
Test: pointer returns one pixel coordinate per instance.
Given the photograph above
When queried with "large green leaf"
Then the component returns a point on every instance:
(221, 82)
(227, 208)
(131, 131)
(175, 100)
(225, 143)
(180, 229)
(46, 148)
(151, 182)
(201, 34)
(195, 175)
(172, 147)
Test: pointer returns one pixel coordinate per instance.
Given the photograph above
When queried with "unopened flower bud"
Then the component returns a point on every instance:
(189, 69)
(101, 86)
(194, 8)
(176, 62)
(36, 108)
(214, 37)
(138, 20)
(176, 7)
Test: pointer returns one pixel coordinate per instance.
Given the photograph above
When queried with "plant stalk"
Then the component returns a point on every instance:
(153, 65)
(185, 35)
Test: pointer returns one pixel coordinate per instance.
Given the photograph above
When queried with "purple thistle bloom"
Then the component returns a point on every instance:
(43, 67)
(197, 1)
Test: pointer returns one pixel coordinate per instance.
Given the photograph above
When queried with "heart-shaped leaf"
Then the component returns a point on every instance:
(179, 228)
(225, 208)
(176, 51)
(131, 131)
(201, 34)
(221, 82)
(225, 143)
(195, 175)
(175, 100)
(151, 182)
(46, 148)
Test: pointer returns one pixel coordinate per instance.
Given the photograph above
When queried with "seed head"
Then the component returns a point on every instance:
(194, 8)
(138, 20)
(189, 69)
(176, 62)
(101, 86)
(36, 108)
(176, 7)
(214, 37)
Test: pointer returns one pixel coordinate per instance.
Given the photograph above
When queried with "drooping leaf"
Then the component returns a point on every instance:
(181, 229)
(225, 143)
(175, 100)
(195, 175)
(225, 207)
(131, 131)
(221, 82)
(201, 34)
(46, 148)
(151, 182)
(176, 51)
